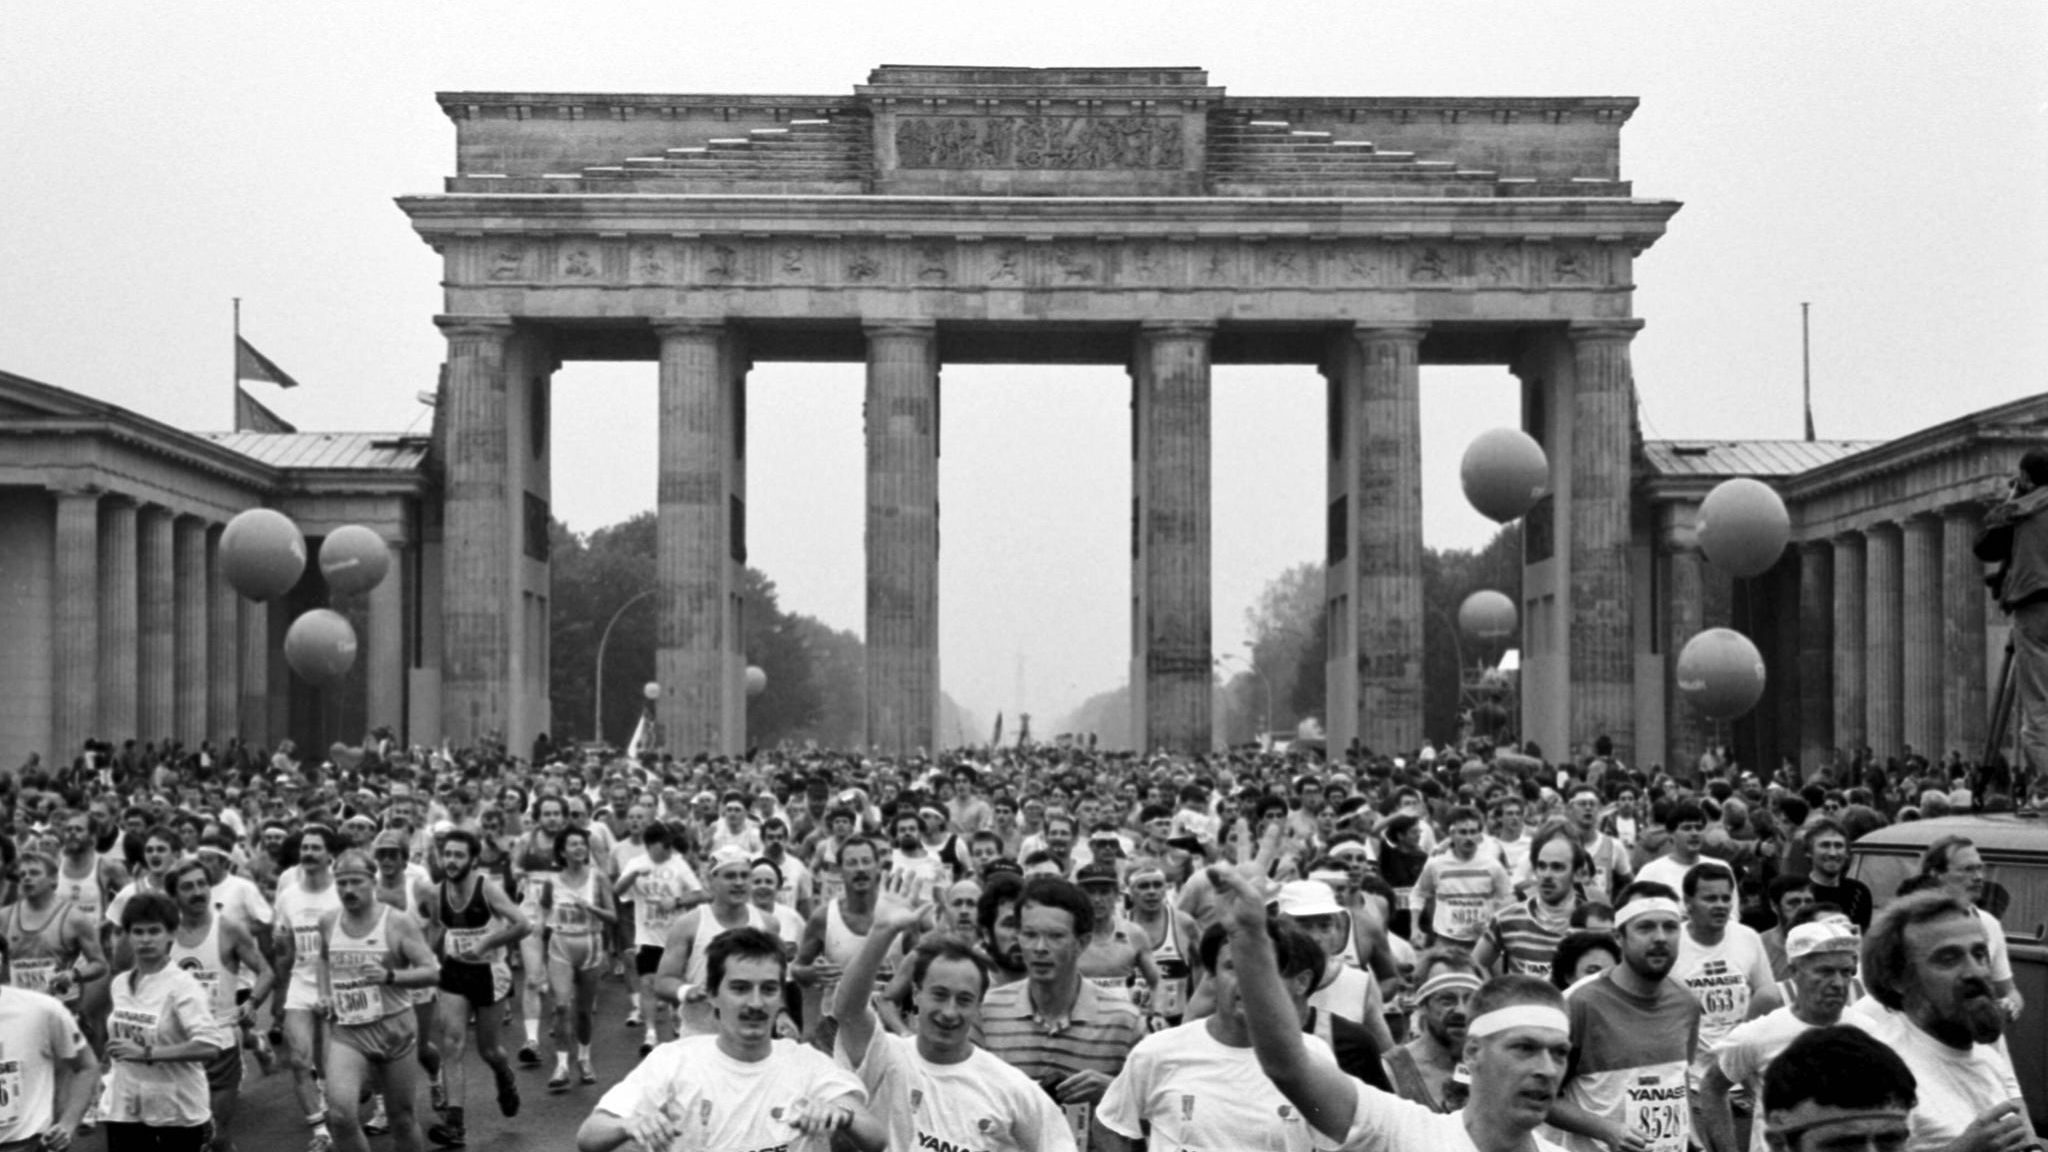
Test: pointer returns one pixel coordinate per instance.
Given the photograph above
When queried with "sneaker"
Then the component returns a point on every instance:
(321, 1142)
(508, 1091)
(585, 1072)
(559, 1082)
(633, 1019)
(449, 1132)
(378, 1122)
(529, 1056)
(437, 1094)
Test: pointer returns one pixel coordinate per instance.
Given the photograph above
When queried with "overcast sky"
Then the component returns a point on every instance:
(1884, 161)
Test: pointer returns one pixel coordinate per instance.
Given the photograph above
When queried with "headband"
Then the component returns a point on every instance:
(1647, 906)
(1446, 982)
(1141, 873)
(1518, 1016)
(1794, 1131)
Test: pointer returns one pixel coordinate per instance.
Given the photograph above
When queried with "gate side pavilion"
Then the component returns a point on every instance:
(1133, 216)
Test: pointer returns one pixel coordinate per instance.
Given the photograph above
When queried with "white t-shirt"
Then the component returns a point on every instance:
(169, 1006)
(728, 1104)
(238, 899)
(978, 1105)
(1954, 1087)
(1722, 977)
(1994, 932)
(671, 879)
(1746, 1054)
(1197, 1092)
(1382, 1122)
(36, 1034)
(1664, 870)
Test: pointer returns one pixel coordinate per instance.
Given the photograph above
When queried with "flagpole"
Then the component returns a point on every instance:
(1806, 366)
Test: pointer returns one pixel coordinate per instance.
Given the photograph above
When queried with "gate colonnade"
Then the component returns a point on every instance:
(1116, 216)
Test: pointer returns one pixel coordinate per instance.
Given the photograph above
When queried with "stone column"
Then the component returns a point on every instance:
(1601, 659)
(384, 649)
(697, 542)
(1170, 568)
(1387, 552)
(119, 602)
(223, 651)
(252, 645)
(1816, 656)
(1883, 619)
(478, 607)
(156, 627)
(189, 616)
(1921, 636)
(1688, 732)
(77, 631)
(902, 536)
(1965, 710)
(1851, 690)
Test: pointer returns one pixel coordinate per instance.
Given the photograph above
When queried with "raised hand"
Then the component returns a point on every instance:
(901, 901)
(1240, 908)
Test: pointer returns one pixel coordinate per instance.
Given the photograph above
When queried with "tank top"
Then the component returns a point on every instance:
(37, 951)
(86, 893)
(1120, 933)
(572, 917)
(841, 945)
(360, 998)
(208, 965)
(1173, 969)
(538, 865)
(299, 912)
(465, 927)
(708, 929)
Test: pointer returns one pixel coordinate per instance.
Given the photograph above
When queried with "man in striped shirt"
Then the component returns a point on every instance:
(1522, 938)
(1458, 891)
(1062, 1031)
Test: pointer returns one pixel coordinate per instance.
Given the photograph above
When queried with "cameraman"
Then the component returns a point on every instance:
(2015, 537)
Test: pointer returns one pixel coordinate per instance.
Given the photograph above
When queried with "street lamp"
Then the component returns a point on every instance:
(1265, 684)
(597, 718)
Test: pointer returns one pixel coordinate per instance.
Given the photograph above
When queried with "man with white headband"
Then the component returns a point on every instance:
(1515, 1049)
(1423, 1069)
(1633, 1034)
(1835, 1088)
(1823, 958)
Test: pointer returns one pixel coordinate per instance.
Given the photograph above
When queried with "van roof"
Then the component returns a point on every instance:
(2004, 832)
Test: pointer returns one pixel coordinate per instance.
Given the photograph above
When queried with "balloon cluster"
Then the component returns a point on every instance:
(263, 555)
(1504, 473)
(1742, 529)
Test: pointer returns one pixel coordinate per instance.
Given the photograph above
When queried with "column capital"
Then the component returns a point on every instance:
(910, 328)
(1159, 329)
(687, 328)
(1388, 333)
(1593, 331)
(482, 327)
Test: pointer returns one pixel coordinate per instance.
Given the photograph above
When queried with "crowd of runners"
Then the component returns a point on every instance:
(1033, 949)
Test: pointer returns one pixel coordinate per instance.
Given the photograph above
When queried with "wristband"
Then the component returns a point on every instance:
(391, 976)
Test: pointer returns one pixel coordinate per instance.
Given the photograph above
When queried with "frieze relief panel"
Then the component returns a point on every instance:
(1008, 263)
(1056, 143)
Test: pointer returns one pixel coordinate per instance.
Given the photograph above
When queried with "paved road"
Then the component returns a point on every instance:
(271, 1121)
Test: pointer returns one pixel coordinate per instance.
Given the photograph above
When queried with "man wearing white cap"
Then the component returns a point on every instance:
(680, 977)
(1345, 990)
(1515, 1048)
(1823, 958)
(1633, 1035)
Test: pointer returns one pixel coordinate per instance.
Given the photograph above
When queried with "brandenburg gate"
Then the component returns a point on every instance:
(1130, 216)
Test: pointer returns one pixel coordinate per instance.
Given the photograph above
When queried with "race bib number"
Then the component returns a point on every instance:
(356, 1003)
(306, 941)
(1657, 1110)
(1460, 916)
(571, 915)
(1078, 1117)
(133, 1025)
(1172, 998)
(35, 975)
(466, 943)
(10, 1093)
(1405, 898)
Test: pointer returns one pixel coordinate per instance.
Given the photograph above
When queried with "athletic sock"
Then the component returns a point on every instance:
(532, 1032)
(583, 1053)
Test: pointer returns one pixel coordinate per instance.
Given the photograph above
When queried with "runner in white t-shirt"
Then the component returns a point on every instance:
(1721, 962)
(1516, 1047)
(49, 1071)
(937, 1089)
(659, 885)
(738, 1087)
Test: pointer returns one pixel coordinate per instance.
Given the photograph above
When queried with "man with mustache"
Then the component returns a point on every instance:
(834, 934)
(1722, 963)
(936, 1088)
(1927, 965)
(1634, 1031)
(1421, 1070)
(1515, 1048)
(738, 1087)
(1823, 959)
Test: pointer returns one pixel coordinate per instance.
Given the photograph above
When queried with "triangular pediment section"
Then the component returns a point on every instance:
(24, 399)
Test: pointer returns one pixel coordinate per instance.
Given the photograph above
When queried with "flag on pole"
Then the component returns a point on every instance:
(253, 365)
(995, 739)
(642, 738)
(252, 416)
